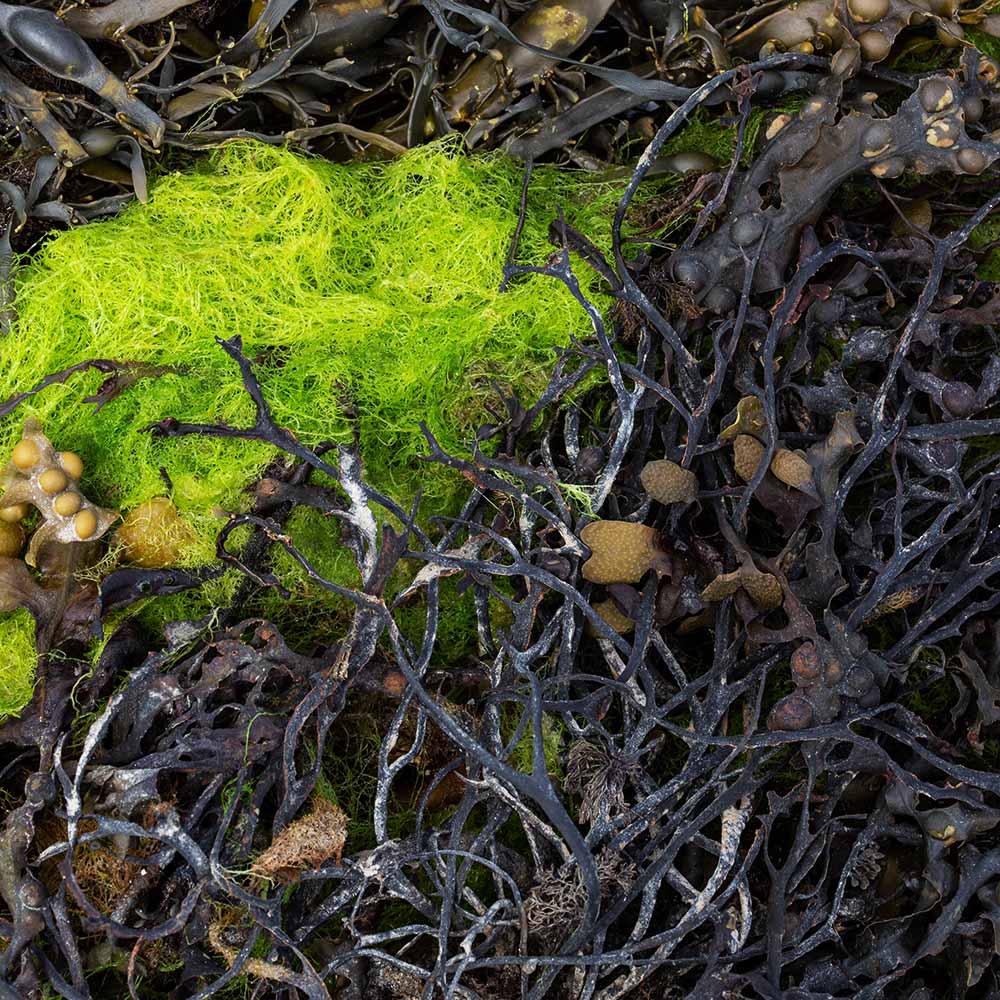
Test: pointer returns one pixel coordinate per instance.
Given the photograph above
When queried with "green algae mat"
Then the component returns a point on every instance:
(369, 296)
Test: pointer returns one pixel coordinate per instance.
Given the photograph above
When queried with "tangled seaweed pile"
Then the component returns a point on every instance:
(730, 725)
(364, 301)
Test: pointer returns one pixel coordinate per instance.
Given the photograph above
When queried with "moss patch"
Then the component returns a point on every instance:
(704, 134)
(17, 635)
(369, 290)
(985, 233)
(987, 44)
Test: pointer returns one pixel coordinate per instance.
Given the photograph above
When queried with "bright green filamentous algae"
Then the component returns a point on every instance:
(368, 294)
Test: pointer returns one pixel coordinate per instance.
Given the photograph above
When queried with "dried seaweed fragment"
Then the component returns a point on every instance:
(668, 482)
(613, 616)
(793, 470)
(764, 589)
(559, 897)
(38, 475)
(120, 16)
(307, 842)
(620, 552)
(338, 28)
(749, 419)
(829, 673)
(747, 455)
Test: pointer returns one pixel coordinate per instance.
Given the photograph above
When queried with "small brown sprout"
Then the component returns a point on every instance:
(792, 469)
(72, 463)
(11, 539)
(52, 481)
(621, 552)
(668, 483)
(14, 513)
(26, 454)
(155, 535)
(747, 453)
(85, 524)
(67, 504)
(608, 610)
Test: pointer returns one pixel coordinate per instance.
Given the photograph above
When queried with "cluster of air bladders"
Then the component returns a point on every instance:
(746, 805)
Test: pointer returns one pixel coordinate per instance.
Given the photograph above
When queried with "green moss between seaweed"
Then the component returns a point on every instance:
(987, 44)
(704, 134)
(370, 290)
(523, 755)
(17, 634)
(985, 233)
